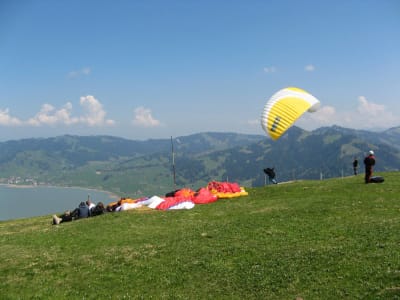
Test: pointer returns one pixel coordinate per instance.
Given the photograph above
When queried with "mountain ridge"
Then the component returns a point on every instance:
(137, 168)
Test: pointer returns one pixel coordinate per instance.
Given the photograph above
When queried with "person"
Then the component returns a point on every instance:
(369, 162)
(82, 211)
(271, 175)
(65, 217)
(90, 204)
(98, 209)
(355, 165)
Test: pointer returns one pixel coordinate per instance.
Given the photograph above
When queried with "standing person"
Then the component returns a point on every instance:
(369, 162)
(271, 175)
(355, 165)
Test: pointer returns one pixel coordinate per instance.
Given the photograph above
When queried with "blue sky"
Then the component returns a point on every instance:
(155, 69)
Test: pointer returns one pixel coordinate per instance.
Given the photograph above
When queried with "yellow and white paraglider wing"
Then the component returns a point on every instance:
(284, 108)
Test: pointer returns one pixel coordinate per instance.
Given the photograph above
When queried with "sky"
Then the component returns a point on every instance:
(155, 69)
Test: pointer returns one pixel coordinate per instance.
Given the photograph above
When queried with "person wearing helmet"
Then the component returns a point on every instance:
(369, 162)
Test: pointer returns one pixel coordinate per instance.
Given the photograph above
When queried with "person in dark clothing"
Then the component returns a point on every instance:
(369, 162)
(355, 165)
(65, 217)
(99, 209)
(82, 211)
(271, 175)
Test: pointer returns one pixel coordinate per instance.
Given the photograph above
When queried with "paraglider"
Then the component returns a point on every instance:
(284, 108)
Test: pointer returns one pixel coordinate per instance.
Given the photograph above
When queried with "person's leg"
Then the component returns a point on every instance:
(367, 175)
(56, 220)
(66, 218)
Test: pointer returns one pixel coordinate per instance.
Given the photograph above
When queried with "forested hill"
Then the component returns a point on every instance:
(137, 168)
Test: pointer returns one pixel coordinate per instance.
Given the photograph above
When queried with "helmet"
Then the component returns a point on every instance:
(371, 152)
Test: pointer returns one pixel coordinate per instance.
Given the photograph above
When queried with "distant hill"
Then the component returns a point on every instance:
(139, 168)
(323, 153)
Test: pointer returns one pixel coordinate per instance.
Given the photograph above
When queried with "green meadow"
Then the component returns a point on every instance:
(330, 239)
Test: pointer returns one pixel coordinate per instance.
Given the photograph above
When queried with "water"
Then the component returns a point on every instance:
(25, 202)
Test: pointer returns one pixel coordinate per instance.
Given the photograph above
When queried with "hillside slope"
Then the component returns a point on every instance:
(333, 239)
(144, 168)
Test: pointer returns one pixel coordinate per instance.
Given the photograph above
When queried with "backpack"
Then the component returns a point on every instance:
(376, 179)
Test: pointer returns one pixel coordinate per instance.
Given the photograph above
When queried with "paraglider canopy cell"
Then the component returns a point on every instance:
(284, 108)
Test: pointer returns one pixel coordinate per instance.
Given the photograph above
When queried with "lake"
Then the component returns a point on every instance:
(25, 202)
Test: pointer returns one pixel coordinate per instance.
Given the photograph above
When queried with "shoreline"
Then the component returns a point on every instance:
(26, 201)
(27, 186)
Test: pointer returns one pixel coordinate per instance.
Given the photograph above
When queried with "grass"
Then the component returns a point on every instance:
(331, 239)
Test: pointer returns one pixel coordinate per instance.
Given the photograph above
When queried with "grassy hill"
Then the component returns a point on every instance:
(142, 168)
(331, 239)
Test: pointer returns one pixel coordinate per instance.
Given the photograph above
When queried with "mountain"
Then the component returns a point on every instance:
(323, 153)
(389, 136)
(142, 168)
(105, 162)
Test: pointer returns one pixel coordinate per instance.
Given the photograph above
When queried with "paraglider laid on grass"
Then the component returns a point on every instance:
(284, 108)
(184, 198)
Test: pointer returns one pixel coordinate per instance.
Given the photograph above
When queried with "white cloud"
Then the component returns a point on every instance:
(95, 114)
(270, 69)
(367, 115)
(82, 72)
(273, 69)
(143, 117)
(375, 115)
(369, 108)
(86, 71)
(325, 115)
(309, 68)
(7, 120)
(254, 122)
(48, 115)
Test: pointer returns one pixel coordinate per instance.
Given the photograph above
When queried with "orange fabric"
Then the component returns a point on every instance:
(188, 193)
